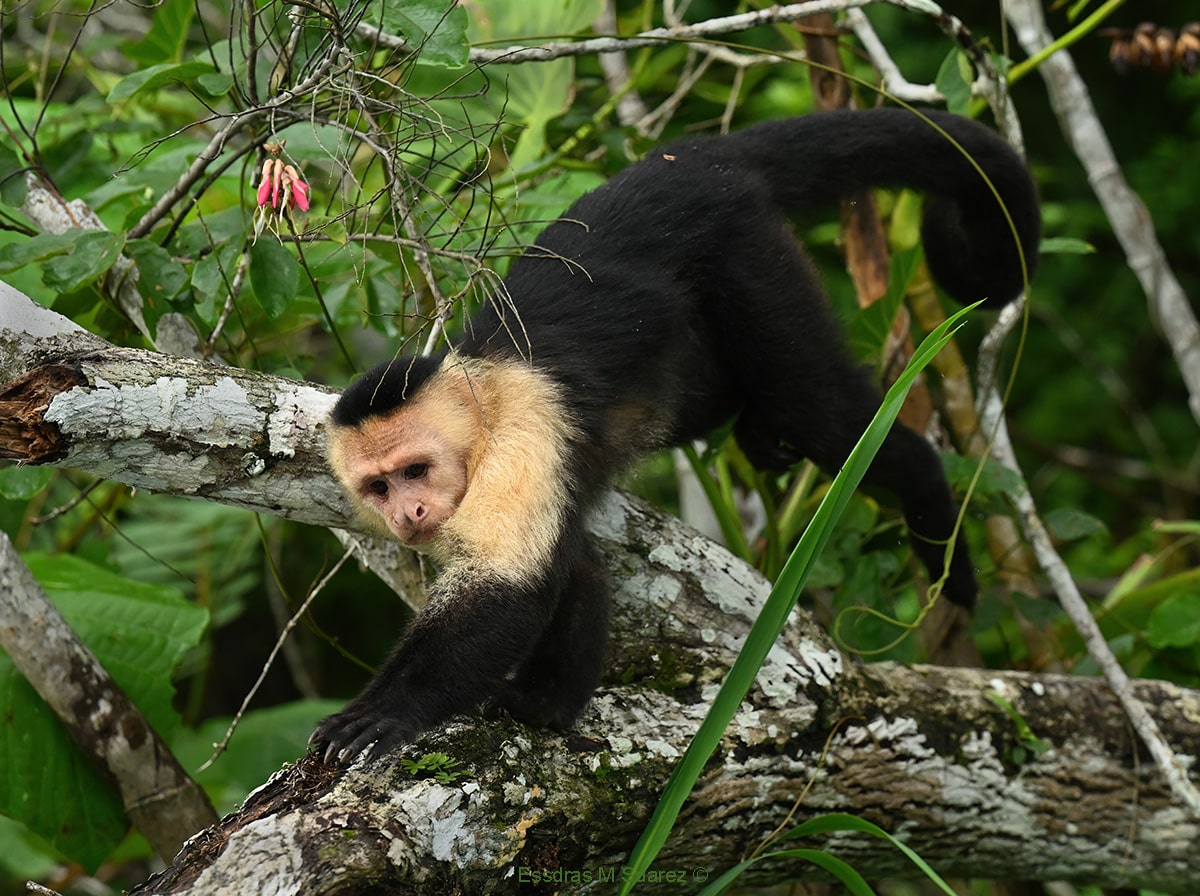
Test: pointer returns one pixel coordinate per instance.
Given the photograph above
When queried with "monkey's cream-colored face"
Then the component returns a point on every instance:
(407, 470)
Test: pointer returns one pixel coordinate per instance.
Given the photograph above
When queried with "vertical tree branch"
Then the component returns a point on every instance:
(1130, 220)
(162, 800)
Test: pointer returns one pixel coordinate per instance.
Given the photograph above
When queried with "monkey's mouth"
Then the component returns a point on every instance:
(416, 538)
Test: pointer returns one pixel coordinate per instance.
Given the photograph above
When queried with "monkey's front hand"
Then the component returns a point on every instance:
(361, 729)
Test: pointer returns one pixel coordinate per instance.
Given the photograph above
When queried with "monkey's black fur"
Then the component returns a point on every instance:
(663, 304)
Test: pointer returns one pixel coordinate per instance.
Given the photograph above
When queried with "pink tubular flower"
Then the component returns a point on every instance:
(299, 195)
(264, 187)
(282, 186)
(280, 190)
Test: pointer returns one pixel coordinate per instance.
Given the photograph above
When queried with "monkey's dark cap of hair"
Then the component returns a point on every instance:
(382, 389)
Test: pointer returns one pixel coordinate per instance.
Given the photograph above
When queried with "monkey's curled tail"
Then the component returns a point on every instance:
(980, 242)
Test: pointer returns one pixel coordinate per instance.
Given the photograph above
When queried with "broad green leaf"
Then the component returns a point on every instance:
(275, 276)
(1038, 611)
(439, 32)
(158, 76)
(996, 486)
(13, 188)
(35, 249)
(211, 276)
(1066, 524)
(265, 739)
(869, 329)
(24, 856)
(532, 95)
(160, 277)
(93, 253)
(138, 632)
(215, 84)
(168, 34)
(22, 483)
(954, 79)
(1176, 621)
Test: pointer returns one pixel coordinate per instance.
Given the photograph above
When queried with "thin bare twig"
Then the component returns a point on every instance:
(219, 748)
(991, 412)
(653, 37)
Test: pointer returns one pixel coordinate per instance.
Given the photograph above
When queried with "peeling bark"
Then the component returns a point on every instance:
(25, 433)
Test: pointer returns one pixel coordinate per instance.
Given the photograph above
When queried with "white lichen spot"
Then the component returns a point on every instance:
(822, 663)
(732, 596)
(627, 760)
(661, 748)
(619, 744)
(439, 827)
(902, 734)
(253, 465)
(277, 872)
(219, 414)
(102, 711)
(215, 415)
(514, 794)
(666, 555)
(779, 679)
(747, 718)
(1038, 689)
(649, 591)
(296, 417)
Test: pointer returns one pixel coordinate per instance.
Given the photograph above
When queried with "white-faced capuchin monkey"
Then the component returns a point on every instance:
(669, 301)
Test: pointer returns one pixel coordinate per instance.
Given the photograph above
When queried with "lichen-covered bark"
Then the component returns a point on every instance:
(568, 808)
(191, 428)
(168, 424)
(926, 753)
(158, 795)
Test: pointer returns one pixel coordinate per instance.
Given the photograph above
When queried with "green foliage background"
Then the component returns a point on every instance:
(431, 156)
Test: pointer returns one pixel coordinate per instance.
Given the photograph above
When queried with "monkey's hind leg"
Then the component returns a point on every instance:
(825, 424)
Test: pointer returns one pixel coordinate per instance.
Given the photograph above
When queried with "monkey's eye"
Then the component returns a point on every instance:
(416, 471)
(378, 487)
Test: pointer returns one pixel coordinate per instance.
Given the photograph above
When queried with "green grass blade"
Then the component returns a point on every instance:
(840, 821)
(838, 868)
(723, 508)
